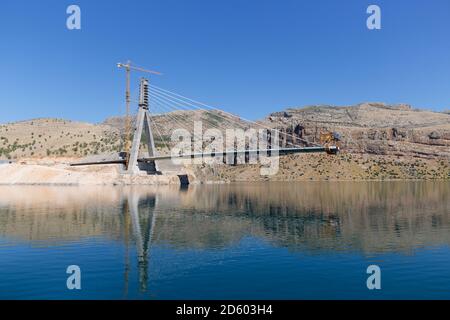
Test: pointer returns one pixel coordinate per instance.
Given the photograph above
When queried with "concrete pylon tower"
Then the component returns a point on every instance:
(143, 125)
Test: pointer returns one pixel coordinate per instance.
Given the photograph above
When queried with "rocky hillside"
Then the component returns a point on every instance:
(374, 128)
(379, 141)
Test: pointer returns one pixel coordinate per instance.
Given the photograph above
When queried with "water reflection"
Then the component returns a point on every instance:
(368, 218)
(143, 236)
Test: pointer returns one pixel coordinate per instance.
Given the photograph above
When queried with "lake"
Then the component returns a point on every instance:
(305, 240)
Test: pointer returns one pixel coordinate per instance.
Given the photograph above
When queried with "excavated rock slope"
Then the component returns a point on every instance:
(374, 128)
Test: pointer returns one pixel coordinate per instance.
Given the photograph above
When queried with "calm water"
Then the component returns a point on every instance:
(260, 241)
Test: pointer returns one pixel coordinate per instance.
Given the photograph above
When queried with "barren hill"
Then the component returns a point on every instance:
(55, 138)
(379, 141)
(64, 138)
(374, 128)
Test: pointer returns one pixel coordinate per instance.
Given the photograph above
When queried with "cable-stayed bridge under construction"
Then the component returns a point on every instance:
(161, 114)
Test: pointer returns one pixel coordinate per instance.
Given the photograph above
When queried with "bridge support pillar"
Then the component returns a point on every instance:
(143, 125)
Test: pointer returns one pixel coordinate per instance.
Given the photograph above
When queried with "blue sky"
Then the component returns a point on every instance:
(248, 57)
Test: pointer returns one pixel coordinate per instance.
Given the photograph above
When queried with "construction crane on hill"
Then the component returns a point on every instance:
(128, 67)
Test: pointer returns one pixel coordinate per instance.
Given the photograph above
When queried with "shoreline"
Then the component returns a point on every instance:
(345, 167)
(110, 175)
(63, 175)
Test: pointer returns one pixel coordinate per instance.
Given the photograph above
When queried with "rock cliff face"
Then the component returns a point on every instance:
(374, 128)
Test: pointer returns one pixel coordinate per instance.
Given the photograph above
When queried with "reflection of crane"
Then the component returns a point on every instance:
(128, 67)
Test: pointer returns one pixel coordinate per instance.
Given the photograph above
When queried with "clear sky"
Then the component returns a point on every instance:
(248, 57)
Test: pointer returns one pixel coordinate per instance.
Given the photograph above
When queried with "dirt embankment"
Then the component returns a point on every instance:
(341, 167)
(49, 171)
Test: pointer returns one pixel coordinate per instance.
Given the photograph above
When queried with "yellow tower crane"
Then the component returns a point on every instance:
(128, 67)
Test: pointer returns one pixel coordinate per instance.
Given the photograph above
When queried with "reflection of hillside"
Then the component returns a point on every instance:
(345, 215)
(371, 217)
(62, 213)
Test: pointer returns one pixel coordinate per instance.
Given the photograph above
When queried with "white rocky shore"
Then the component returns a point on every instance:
(59, 172)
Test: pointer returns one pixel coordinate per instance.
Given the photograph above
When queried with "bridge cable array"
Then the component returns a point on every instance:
(167, 105)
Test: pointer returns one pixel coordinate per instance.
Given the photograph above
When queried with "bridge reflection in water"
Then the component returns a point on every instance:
(369, 219)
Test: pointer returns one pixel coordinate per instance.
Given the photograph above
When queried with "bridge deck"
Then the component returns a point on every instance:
(280, 151)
